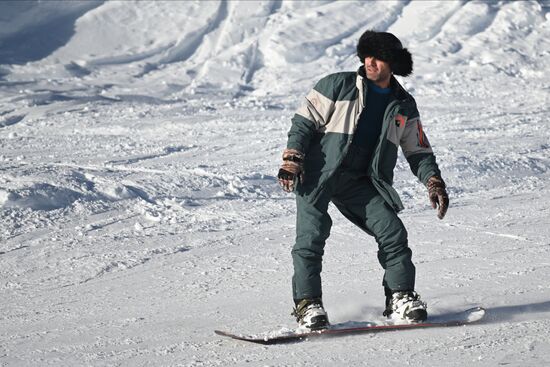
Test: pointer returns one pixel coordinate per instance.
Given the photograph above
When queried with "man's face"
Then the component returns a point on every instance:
(377, 70)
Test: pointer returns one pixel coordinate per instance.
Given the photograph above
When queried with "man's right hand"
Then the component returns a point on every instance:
(292, 169)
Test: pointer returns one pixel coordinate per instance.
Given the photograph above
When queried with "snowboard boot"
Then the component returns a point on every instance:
(310, 314)
(405, 305)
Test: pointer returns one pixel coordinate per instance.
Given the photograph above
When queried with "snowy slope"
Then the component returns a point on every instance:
(139, 209)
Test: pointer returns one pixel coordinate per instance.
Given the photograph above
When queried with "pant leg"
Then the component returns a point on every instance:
(313, 225)
(394, 253)
(359, 201)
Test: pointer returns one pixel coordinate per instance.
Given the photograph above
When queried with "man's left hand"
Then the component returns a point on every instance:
(438, 195)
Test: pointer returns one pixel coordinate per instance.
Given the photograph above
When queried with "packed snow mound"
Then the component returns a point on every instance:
(39, 197)
(69, 187)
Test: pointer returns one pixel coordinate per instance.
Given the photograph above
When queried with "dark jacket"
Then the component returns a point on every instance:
(324, 125)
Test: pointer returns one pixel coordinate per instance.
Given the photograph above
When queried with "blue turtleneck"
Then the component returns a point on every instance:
(370, 121)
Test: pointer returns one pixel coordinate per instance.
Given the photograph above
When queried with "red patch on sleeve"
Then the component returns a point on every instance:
(400, 120)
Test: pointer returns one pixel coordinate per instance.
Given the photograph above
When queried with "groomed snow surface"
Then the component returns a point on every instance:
(139, 207)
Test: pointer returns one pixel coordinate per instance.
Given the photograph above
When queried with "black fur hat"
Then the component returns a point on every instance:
(386, 47)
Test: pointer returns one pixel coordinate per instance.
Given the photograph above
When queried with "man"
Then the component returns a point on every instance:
(342, 148)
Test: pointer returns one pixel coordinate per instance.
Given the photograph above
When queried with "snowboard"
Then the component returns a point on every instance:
(466, 317)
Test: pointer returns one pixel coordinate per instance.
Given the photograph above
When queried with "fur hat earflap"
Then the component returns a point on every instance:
(386, 47)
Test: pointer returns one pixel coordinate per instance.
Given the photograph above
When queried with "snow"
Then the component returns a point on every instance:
(139, 208)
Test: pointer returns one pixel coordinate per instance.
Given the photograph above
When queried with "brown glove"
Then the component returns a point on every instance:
(438, 196)
(292, 169)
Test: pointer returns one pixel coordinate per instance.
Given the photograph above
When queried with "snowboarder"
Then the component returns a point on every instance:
(342, 148)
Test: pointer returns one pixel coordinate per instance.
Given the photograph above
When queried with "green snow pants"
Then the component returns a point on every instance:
(357, 199)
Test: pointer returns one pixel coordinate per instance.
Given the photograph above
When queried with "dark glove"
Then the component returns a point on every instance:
(438, 195)
(292, 169)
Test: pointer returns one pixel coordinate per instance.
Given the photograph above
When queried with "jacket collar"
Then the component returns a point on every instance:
(398, 92)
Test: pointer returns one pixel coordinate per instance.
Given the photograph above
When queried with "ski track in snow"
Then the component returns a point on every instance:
(139, 205)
